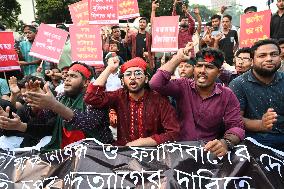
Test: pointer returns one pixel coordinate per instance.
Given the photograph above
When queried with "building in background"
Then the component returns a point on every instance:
(217, 4)
(27, 11)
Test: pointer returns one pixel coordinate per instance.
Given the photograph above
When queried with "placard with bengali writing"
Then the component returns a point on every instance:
(103, 12)
(8, 55)
(128, 9)
(48, 44)
(254, 27)
(165, 34)
(86, 44)
(79, 13)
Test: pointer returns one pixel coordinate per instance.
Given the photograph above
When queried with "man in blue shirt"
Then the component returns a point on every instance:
(261, 95)
(30, 63)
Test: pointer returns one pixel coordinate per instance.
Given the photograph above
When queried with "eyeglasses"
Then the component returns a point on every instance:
(244, 59)
(138, 74)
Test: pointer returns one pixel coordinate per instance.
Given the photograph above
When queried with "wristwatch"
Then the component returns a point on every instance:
(229, 144)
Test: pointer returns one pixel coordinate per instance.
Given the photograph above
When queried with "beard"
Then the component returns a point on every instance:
(266, 73)
(75, 91)
(137, 90)
(183, 25)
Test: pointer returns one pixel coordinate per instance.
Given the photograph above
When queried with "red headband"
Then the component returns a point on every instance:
(135, 62)
(82, 69)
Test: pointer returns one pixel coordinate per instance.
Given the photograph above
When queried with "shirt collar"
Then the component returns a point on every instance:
(252, 78)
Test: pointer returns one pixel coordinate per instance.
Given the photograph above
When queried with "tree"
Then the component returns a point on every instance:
(165, 8)
(54, 11)
(10, 10)
(205, 13)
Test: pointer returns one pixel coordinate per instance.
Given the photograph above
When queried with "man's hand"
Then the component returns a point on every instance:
(48, 73)
(33, 86)
(6, 112)
(218, 37)
(12, 124)
(41, 100)
(217, 147)
(22, 63)
(184, 8)
(113, 63)
(196, 11)
(184, 54)
(13, 85)
(268, 119)
(155, 5)
(223, 8)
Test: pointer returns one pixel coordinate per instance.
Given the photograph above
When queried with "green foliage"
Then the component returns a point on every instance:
(10, 10)
(204, 12)
(166, 7)
(54, 11)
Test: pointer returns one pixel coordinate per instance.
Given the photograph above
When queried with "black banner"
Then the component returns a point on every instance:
(90, 164)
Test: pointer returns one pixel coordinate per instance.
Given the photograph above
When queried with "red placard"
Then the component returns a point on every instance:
(80, 13)
(103, 12)
(86, 44)
(128, 9)
(8, 55)
(49, 43)
(165, 34)
(254, 27)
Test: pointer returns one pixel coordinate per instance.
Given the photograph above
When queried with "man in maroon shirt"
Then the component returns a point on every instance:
(144, 117)
(187, 26)
(207, 111)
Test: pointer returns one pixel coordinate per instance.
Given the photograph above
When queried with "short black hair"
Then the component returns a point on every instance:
(143, 18)
(257, 44)
(243, 50)
(114, 42)
(251, 8)
(32, 28)
(228, 16)
(208, 24)
(216, 53)
(215, 16)
(114, 27)
(281, 41)
(91, 69)
(27, 78)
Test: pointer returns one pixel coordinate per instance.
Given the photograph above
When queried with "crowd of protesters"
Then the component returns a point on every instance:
(210, 89)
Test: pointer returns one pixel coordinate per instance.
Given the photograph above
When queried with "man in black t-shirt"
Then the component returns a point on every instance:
(227, 41)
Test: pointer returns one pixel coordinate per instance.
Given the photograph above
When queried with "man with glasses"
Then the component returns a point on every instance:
(207, 110)
(261, 95)
(144, 117)
(242, 61)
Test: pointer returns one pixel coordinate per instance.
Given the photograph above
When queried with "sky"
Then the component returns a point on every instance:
(260, 4)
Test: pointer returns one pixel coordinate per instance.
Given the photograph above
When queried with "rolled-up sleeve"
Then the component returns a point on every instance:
(169, 122)
(233, 119)
(97, 97)
(161, 82)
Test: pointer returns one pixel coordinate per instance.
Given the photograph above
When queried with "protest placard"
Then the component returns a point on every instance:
(128, 9)
(165, 34)
(8, 55)
(254, 27)
(49, 43)
(79, 13)
(102, 12)
(86, 44)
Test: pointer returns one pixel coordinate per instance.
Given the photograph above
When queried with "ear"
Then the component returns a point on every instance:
(87, 82)
(219, 73)
(146, 79)
(122, 82)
